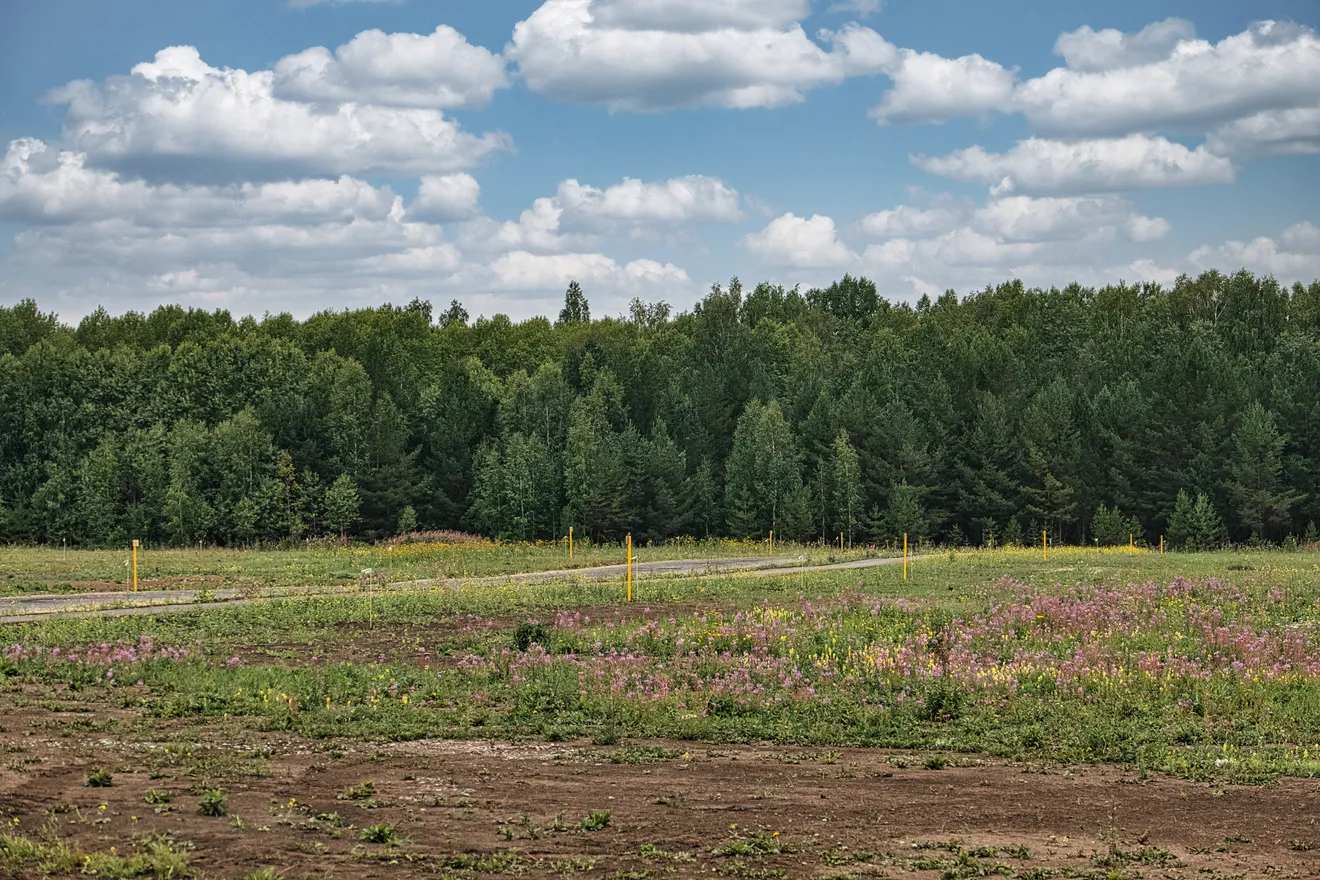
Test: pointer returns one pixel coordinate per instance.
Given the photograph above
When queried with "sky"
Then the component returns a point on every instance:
(265, 156)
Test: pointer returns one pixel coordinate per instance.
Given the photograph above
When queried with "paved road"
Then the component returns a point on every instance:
(21, 609)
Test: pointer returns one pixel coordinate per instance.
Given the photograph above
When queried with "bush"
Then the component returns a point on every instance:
(528, 633)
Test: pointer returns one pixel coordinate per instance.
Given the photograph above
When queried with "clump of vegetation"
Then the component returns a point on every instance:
(596, 820)
(363, 791)
(387, 835)
(156, 798)
(213, 803)
(529, 633)
(99, 777)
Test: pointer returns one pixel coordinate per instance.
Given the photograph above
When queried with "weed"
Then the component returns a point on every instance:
(596, 820)
(260, 874)
(758, 843)
(155, 797)
(935, 762)
(642, 755)
(387, 835)
(213, 803)
(363, 791)
(1301, 845)
(528, 634)
(655, 853)
(99, 777)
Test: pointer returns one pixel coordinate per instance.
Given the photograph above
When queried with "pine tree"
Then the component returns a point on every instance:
(407, 521)
(1257, 488)
(1195, 525)
(1110, 528)
(576, 309)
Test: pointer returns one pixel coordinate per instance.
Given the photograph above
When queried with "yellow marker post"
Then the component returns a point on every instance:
(1045, 545)
(1132, 544)
(570, 542)
(630, 568)
(1161, 545)
(772, 542)
(840, 540)
(905, 556)
(135, 549)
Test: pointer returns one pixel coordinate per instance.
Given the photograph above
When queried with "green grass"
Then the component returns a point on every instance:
(27, 570)
(454, 668)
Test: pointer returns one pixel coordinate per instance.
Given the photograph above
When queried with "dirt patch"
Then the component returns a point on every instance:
(675, 808)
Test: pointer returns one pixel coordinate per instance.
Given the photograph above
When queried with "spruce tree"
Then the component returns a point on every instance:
(342, 505)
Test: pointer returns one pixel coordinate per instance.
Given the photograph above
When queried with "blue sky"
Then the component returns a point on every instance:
(272, 156)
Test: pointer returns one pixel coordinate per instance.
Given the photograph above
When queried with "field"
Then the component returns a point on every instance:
(1100, 714)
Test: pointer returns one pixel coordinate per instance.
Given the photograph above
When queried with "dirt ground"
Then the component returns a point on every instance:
(470, 809)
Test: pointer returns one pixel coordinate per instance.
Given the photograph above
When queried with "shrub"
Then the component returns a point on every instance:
(528, 633)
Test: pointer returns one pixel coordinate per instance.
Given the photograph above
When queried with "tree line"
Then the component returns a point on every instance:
(1191, 411)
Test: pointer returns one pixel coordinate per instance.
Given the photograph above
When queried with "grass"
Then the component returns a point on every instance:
(29, 570)
(1201, 665)
(157, 855)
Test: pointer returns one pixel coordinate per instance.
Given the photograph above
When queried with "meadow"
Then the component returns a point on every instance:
(27, 570)
(1203, 668)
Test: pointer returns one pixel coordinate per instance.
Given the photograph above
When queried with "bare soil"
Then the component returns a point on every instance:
(476, 808)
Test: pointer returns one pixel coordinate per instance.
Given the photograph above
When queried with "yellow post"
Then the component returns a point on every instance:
(135, 549)
(1132, 545)
(630, 568)
(840, 540)
(772, 542)
(905, 556)
(570, 542)
(1045, 545)
(1161, 545)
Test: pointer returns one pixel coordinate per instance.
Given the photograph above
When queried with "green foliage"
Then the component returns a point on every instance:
(1110, 528)
(99, 777)
(184, 426)
(596, 820)
(213, 803)
(386, 835)
(1195, 525)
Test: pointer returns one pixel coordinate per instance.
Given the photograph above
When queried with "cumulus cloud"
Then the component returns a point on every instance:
(1022, 218)
(908, 220)
(519, 270)
(1039, 165)
(647, 55)
(446, 197)
(694, 198)
(1294, 257)
(1181, 84)
(1093, 51)
(931, 88)
(791, 240)
(178, 117)
(441, 69)
(1271, 132)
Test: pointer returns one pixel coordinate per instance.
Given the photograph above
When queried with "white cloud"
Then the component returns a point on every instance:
(681, 200)
(1051, 166)
(441, 69)
(446, 197)
(178, 117)
(1194, 85)
(906, 220)
(864, 8)
(1302, 238)
(647, 55)
(1022, 218)
(1265, 256)
(1271, 132)
(40, 186)
(931, 88)
(791, 240)
(695, 16)
(1093, 51)
(520, 270)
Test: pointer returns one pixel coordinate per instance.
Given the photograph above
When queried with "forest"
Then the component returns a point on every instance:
(1190, 411)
